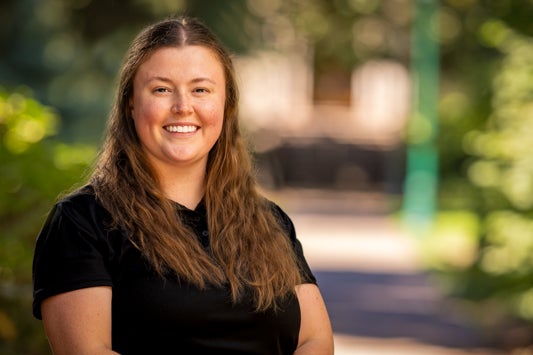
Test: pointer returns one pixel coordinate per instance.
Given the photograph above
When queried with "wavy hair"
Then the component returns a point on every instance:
(250, 251)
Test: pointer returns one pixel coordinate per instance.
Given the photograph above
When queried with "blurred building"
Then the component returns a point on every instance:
(334, 130)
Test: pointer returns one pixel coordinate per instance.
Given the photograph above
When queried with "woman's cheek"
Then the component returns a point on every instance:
(214, 115)
(152, 112)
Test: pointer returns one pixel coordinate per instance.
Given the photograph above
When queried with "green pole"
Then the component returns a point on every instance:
(420, 188)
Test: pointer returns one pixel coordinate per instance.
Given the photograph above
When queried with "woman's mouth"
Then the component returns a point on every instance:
(181, 128)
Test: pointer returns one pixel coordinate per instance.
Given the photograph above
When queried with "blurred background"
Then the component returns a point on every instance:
(396, 133)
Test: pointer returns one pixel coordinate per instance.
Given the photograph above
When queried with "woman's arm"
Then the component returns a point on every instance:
(79, 322)
(316, 336)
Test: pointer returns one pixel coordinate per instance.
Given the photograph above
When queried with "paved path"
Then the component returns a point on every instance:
(379, 298)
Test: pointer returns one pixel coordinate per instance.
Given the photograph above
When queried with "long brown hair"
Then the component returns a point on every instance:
(249, 248)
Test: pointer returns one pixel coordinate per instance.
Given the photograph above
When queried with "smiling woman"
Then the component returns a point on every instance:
(170, 247)
(178, 109)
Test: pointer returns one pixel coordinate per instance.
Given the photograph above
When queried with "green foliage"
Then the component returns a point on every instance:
(453, 242)
(504, 168)
(34, 170)
(500, 172)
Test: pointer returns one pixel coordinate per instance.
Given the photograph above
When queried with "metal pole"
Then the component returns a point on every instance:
(420, 188)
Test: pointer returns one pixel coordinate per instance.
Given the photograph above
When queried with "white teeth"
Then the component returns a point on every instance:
(181, 129)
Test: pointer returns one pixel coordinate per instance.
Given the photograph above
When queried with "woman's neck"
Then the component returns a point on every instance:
(184, 186)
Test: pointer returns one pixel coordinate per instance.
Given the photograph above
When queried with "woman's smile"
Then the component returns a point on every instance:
(181, 128)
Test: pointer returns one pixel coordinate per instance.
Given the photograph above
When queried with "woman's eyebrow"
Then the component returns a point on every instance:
(195, 80)
(160, 78)
(200, 79)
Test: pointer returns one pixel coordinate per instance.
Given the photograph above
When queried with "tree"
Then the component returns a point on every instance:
(35, 169)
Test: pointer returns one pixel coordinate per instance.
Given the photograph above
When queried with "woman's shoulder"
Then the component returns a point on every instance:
(82, 194)
(280, 214)
(81, 202)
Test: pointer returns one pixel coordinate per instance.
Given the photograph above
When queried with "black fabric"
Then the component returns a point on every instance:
(76, 249)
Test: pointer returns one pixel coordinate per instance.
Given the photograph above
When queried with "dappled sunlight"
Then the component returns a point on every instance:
(356, 243)
(25, 121)
(452, 242)
(67, 156)
(510, 237)
(502, 169)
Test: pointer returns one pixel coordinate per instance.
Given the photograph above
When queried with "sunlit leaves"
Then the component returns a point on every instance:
(34, 169)
(493, 32)
(510, 238)
(364, 6)
(453, 244)
(450, 25)
(24, 121)
(504, 149)
(503, 166)
(71, 156)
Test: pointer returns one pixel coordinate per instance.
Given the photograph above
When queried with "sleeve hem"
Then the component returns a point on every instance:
(42, 294)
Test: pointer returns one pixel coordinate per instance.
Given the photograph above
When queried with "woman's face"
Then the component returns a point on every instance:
(178, 105)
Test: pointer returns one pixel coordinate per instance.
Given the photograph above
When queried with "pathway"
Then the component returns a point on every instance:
(379, 298)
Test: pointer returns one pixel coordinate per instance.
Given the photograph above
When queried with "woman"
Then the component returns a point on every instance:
(170, 248)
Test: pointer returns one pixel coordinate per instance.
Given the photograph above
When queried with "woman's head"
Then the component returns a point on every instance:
(176, 32)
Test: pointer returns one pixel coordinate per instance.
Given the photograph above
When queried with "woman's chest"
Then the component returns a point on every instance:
(150, 309)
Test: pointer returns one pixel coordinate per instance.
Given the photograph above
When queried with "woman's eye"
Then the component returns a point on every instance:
(201, 90)
(161, 90)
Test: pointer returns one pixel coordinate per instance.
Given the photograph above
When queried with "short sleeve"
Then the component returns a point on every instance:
(71, 252)
(288, 226)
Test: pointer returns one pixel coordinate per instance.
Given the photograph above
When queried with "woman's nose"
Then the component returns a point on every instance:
(182, 104)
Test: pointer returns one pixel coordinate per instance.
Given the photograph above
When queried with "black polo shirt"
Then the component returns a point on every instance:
(151, 314)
